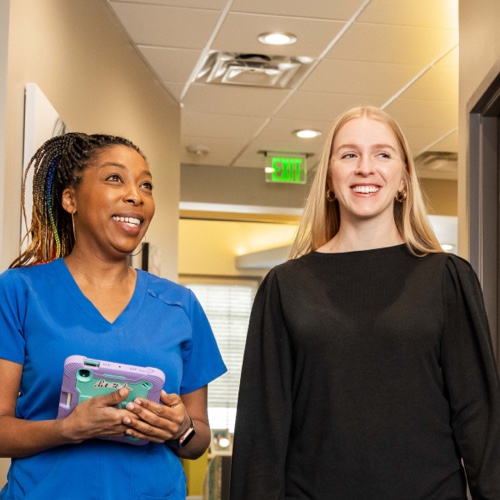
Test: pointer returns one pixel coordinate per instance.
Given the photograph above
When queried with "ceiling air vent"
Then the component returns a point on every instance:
(437, 165)
(256, 70)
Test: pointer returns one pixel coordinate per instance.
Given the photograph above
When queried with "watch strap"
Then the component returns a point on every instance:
(186, 436)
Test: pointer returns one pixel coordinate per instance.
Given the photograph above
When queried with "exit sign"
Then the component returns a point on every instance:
(286, 169)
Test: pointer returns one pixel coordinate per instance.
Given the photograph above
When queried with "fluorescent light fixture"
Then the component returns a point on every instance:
(447, 247)
(277, 38)
(307, 133)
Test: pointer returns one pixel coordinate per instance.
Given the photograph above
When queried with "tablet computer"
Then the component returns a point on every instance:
(85, 378)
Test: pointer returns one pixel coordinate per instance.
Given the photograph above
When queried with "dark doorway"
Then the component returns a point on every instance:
(484, 196)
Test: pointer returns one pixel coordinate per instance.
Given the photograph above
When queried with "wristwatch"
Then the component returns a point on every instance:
(187, 436)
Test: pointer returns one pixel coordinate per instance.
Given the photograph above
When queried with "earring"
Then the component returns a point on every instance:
(73, 224)
(329, 196)
(142, 247)
(400, 196)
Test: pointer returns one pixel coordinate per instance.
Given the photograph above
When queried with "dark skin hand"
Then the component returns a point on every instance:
(166, 421)
(98, 417)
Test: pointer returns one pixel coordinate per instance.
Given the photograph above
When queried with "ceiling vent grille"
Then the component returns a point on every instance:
(437, 165)
(256, 70)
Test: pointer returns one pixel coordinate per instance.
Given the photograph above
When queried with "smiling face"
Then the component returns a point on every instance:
(366, 170)
(113, 203)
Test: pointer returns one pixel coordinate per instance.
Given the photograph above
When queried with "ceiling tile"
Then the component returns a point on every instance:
(320, 106)
(282, 130)
(393, 44)
(419, 113)
(167, 26)
(171, 65)
(219, 126)
(359, 78)
(195, 4)
(239, 33)
(439, 83)
(221, 151)
(448, 144)
(311, 9)
(424, 13)
(420, 138)
(233, 100)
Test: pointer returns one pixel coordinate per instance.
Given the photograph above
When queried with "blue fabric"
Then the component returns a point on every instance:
(44, 318)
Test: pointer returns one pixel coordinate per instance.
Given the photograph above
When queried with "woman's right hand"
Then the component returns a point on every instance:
(94, 418)
(97, 417)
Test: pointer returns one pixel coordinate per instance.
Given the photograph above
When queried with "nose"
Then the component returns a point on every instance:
(365, 166)
(133, 196)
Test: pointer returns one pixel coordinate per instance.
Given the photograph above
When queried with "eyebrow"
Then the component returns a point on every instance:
(374, 146)
(119, 165)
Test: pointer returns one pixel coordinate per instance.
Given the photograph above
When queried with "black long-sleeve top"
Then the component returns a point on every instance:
(368, 375)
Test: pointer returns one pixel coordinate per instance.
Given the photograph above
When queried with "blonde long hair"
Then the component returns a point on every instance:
(321, 219)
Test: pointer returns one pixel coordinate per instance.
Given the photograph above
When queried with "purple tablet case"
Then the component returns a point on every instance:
(85, 378)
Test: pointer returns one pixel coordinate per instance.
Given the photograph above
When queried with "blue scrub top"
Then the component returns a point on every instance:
(44, 318)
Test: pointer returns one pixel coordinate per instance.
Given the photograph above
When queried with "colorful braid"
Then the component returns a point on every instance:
(50, 179)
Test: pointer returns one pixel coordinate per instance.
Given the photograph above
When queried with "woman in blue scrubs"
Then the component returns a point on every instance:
(72, 291)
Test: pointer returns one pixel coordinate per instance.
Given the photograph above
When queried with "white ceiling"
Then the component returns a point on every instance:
(401, 55)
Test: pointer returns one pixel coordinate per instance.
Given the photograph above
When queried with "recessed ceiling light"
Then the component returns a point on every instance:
(307, 133)
(277, 38)
(447, 247)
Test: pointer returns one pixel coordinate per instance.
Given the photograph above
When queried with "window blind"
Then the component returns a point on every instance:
(227, 307)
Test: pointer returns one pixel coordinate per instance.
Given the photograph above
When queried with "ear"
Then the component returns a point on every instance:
(404, 180)
(329, 183)
(68, 200)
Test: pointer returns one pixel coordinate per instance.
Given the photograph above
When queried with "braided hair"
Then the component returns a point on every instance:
(58, 164)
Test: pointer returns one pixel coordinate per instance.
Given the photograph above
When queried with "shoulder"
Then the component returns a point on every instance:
(293, 266)
(169, 292)
(23, 276)
(163, 288)
(451, 263)
(289, 273)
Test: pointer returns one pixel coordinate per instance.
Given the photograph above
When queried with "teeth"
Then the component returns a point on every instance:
(129, 220)
(365, 189)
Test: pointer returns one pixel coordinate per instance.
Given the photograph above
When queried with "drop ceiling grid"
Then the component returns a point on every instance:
(381, 52)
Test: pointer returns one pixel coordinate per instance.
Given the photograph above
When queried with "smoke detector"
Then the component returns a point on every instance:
(257, 70)
(197, 149)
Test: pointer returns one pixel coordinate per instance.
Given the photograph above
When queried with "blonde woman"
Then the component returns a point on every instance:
(368, 370)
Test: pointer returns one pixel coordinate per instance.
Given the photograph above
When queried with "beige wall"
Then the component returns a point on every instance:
(203, 254)
(76, 53)
(479, 58)
(441, 196)
(211, 247)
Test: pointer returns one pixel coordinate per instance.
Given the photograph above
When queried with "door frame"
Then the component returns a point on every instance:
(483, 111)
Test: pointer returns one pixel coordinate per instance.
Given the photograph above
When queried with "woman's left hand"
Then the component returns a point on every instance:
(157, 422)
